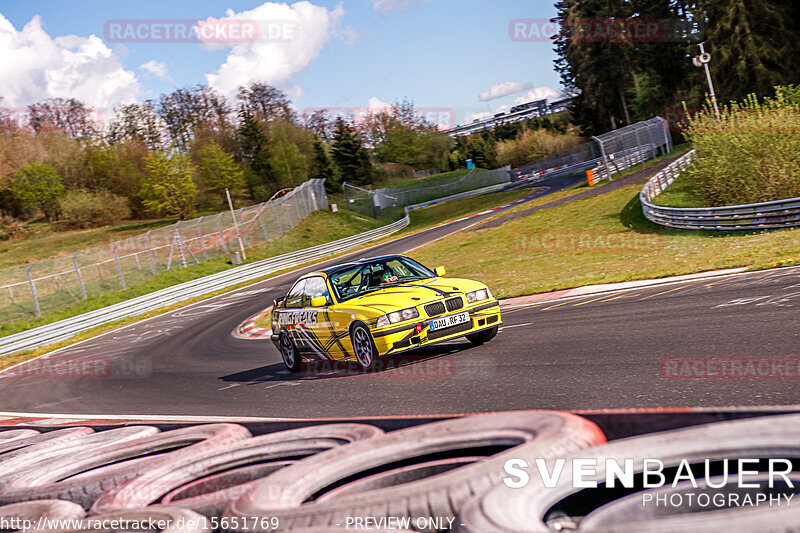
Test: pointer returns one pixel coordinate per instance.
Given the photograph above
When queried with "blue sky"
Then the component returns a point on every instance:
(439, 53)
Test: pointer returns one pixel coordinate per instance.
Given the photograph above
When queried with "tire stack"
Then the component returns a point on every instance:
(438, 476)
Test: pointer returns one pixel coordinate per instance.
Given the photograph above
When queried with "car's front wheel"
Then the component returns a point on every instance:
(289, 353)
(363, 346)
(482, 336)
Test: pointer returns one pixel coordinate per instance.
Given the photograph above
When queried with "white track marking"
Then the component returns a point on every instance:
(515, 326)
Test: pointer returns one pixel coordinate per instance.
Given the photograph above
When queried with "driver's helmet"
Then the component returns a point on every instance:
(388, 276)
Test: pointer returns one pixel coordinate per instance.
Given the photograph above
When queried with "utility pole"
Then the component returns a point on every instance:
(236, 224)
(702, 61)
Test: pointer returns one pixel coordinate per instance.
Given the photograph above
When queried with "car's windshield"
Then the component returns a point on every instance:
(359, 279)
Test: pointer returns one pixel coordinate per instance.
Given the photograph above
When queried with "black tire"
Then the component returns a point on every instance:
(363, 346)
(289, 354)
(524, 434)
(482, 336)
(523, 510)
(176, 520)
(182, 467)
(50, 509)
(85, 474)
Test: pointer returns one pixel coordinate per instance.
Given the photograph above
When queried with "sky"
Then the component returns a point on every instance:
(457, 59)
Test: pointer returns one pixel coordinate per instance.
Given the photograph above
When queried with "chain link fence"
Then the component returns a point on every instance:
(375, 201)
(608, 153)
(33, 289)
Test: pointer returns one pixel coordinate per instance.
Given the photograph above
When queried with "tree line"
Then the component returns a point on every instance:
(175, 155)
(754, 44)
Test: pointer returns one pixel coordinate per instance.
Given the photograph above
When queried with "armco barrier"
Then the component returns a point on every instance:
(64, 329)
(764, 215)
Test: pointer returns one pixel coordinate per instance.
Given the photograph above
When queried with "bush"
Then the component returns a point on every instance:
(83, 209)
(531, 145)
(10, 228)
(751, 154)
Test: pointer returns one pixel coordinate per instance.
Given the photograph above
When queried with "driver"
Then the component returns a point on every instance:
(388, 277)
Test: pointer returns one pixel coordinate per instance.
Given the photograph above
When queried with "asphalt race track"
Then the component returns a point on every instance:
(615, 350)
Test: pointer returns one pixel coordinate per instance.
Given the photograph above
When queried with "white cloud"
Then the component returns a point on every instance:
(390, 5)
(376, 104)
(539, 93)
(498, 90)
(36, 66)
(289, 39)
(156, 68)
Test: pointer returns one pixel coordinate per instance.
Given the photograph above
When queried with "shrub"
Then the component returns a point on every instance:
(531, 145)
(751, 154)
(83, 209)
(10, 228)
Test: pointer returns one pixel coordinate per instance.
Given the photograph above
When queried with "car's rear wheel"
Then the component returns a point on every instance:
(482, 336)
(289, 353)
(363, 346)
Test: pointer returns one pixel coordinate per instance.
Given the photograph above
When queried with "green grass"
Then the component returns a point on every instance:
(453, 210)
(395, 183)
(43, 240)
(319, 227)
(682, 193)
(600, 239)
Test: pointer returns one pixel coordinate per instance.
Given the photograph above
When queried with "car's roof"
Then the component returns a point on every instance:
(353, 263)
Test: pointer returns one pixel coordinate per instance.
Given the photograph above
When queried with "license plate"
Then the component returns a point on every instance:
(449, 321)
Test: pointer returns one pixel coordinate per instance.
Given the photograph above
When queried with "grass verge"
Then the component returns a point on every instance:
(600, 239)
(318, 228)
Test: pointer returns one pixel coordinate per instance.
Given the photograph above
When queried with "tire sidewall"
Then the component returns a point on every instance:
(374, 355)
(295, 365)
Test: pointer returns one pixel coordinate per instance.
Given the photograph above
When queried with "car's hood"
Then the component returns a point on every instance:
(414, 293)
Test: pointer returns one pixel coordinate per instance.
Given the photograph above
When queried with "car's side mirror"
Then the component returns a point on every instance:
(278, 302)
(319, 301)
(440, 271)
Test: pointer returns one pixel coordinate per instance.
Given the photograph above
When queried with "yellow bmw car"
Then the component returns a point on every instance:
(369, 308)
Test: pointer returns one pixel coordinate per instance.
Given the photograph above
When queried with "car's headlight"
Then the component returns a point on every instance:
(397, 316)
(477, 296)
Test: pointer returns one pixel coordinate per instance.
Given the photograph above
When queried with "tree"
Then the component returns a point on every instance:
(38, 185)
(350, 156)
(138, 122)
(322, 167)
(66, 114)
(218, 170)
(265, 101)
(184, 110)
(253, 151)
(288, 164)
(168, 188)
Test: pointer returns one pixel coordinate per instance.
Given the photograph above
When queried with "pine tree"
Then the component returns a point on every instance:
(350, 156)
(322, 167)
(254, 152)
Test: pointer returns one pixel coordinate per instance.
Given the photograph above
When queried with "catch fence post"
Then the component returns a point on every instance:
(33, 290)
(119, 268)
(78, 273)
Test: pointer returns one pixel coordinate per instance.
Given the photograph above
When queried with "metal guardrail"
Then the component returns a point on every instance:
(764, 215)
(64, 329)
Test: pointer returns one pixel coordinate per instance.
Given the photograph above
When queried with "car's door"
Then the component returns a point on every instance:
(318, 327)
(289, 316)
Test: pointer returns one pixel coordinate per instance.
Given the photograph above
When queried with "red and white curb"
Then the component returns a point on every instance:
(248, 330)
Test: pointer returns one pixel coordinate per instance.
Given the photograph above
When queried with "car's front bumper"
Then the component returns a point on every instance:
(391, 340)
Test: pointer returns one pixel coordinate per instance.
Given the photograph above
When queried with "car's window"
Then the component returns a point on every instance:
(315, 286)
(354, 280)
(295, 296)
